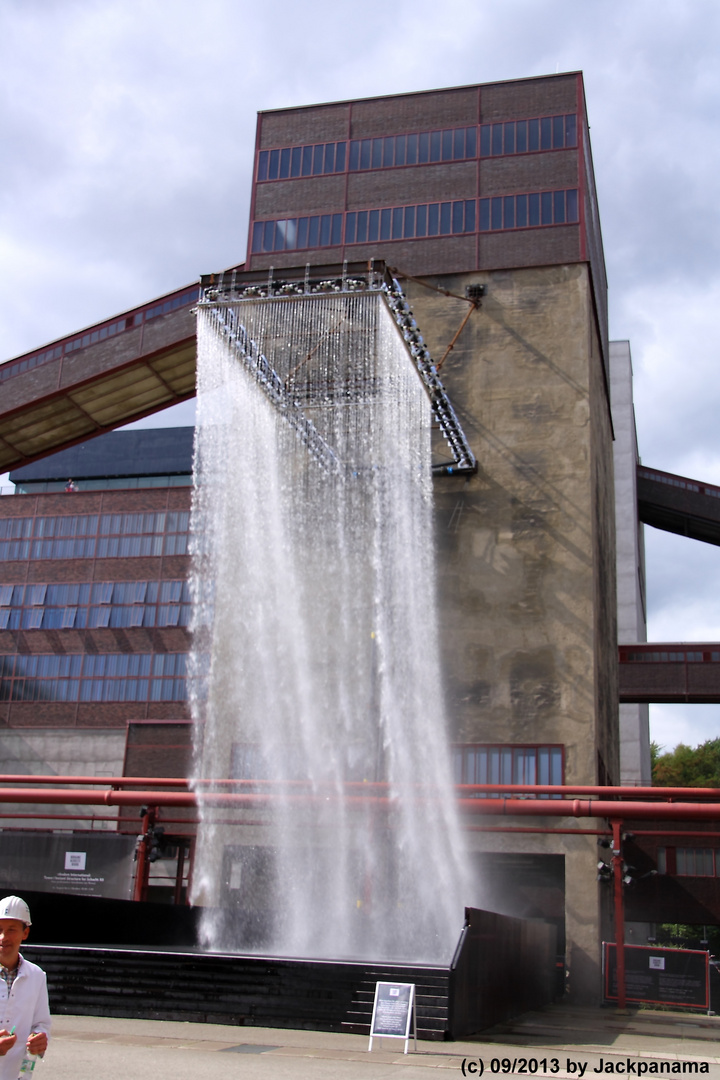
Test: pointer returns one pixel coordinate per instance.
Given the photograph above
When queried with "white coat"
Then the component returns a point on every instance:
(27, 1008)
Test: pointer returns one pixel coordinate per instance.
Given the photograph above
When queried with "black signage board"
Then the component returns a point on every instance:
(79, 864)
(393, 1012)
(677, 977)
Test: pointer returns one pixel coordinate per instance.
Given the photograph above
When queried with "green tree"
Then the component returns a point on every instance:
(687, 766)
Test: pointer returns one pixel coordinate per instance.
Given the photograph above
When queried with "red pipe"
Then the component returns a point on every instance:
(500, 807)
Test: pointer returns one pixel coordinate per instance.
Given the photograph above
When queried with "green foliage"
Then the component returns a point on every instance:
(687, 766)
(682, 936)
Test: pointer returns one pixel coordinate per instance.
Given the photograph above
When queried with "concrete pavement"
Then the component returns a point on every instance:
(556, 1042)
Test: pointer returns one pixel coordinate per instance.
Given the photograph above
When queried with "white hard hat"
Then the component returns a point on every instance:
(12, 907)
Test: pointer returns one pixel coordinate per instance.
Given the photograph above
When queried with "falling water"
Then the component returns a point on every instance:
(315, 659)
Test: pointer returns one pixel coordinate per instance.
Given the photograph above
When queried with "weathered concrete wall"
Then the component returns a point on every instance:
(634, 719)
(526, 548)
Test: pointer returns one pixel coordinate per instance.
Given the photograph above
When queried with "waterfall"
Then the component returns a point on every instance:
(314, 669)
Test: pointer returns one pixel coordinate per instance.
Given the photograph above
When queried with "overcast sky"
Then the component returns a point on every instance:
(127, 132)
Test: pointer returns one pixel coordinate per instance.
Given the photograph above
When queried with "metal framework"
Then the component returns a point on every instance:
(219, 296)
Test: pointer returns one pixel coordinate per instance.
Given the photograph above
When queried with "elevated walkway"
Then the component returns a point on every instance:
(670, 673)
(679, 505)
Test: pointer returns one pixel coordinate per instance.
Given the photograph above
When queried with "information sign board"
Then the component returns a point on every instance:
(393, 1012)
(677, 977)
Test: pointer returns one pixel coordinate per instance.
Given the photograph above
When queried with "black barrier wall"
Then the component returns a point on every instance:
(503, 966)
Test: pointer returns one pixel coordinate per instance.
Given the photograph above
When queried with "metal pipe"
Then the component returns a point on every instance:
(660, 793)
(618, 874)
(500, 807)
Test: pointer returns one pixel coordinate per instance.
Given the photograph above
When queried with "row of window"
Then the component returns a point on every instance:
(508, 764)
(94, 525)
(677, 481)
(410, 222)
(689, 862)
(97, 592)
(101, 333)
(93, 618)
(94, 547)
(88, 536)
(105, 677)
(686, 655)
(420, 148)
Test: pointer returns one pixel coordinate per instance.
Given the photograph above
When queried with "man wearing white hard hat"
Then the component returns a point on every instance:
(24, 1009)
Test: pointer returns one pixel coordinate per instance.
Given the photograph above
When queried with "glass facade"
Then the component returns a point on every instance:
(89, 536)
(414, 222)
(478, 764)
(103, 677)
(94, 604)
(420, 148)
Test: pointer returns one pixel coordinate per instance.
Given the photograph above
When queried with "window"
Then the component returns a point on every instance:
(102, 677)
(480, 764)
(689, 862)
(290, 162)
(522, 211)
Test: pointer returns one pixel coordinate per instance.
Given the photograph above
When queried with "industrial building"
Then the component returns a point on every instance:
(482, 200)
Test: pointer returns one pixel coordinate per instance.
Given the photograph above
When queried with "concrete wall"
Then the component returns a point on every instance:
(632, 625)
(526, 548)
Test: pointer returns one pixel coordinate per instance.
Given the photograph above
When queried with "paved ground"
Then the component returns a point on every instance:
(559, 1041)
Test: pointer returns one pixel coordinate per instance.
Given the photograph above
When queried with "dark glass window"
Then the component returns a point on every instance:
(269, 236)
(435, 146)
(284, 163)
(546, 133)
(546, 207)
(469, 215)
(496, 213)
(559, 207)
(533, 134)
(521, 211)
(318, 159)
(262, 165)
(329, 165)
(325, 230)
(257, 236)
(350, 227)
(374, 225)
(571, 130)
(445, 217)
(485, 140)
(388, 151)
(509, 138)
(385, 224)
(458, 150)
(354, 155)
(534, 209)
(458, 217)
(377, 151)
(497, 139)
(336, 233)
(572, 205)
(433, 218)
(509, 211)
(424, 147)
(411, 149)
(365, 154)
(307, 160)
(340, 157)
(400, 150)
(409, 223)
(521, 136)
(558, 132)
(421, 221)
(313, 231)
(470, 142)
(447, 145)
(397, 223)
(302, 240)
(274, 165)
(362, 224)
(296, 160)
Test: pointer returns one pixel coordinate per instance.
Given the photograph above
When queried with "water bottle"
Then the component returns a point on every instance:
(27, 1064)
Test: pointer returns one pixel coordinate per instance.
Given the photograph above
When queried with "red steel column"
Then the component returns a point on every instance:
(617, 860)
